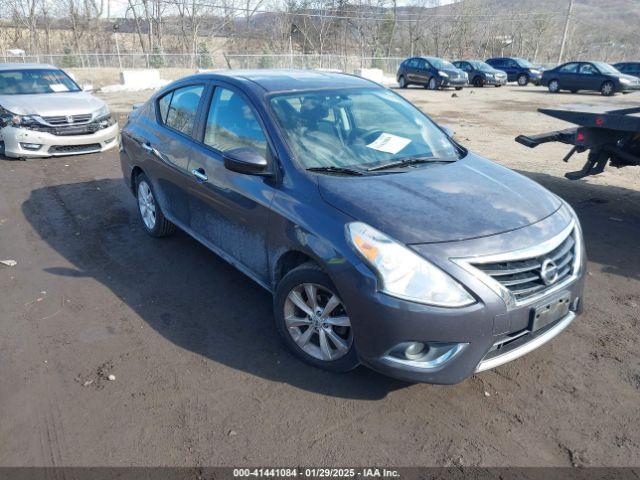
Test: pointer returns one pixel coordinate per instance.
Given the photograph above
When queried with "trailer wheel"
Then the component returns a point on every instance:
(607, 89)
(554, 86)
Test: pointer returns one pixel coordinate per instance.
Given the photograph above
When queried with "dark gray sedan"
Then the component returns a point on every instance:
(481, 73)
(383, 241)
(594, 76)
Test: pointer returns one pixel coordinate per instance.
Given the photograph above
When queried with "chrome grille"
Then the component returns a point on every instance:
(524, 277)
(68, 120)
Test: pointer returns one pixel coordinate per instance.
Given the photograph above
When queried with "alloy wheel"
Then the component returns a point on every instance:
(522, 80)
(147, 205)
(317, 321)
(553, 86)
(607, 88)
(432, 84)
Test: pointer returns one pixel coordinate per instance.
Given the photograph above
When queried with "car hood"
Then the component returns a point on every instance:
(452, 72)
(631, 78)
(470, 198)
(51, 104)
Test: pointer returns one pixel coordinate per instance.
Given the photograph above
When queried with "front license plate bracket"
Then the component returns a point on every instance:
(550, 312)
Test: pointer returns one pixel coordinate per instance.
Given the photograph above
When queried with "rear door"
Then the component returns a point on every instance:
(422, 71)
(230, 210)
(163, 149)
(568, 76)
(412, 70)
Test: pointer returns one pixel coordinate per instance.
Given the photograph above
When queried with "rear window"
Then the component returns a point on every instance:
(178, 108)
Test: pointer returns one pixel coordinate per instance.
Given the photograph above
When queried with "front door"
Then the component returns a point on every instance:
(230, 210)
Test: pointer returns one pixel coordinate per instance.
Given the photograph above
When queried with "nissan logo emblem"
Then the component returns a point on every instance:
(549, 271)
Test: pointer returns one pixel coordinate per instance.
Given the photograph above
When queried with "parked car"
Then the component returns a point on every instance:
(44, 113)
(481, 73)
(431, 72)
(628, 68)
(383, 240)
(518, 70)
(595, 76)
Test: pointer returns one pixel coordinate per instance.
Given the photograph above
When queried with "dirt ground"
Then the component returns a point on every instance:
(201, 378)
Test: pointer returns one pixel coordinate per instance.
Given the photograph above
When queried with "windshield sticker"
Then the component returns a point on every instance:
(58, 87)
(389, 143)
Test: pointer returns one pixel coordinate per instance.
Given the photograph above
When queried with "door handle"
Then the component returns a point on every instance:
(200, 174)
(146, 146)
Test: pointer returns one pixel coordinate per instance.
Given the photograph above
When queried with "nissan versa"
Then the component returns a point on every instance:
(383, 240)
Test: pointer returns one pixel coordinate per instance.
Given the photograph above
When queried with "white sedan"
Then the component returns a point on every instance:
(44, 113)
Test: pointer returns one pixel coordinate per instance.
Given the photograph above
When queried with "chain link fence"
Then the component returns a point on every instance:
(124, 61)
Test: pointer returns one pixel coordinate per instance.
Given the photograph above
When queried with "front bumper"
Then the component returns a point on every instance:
(495, 81)
(481, 336)
(56, 145)
(629, 87)
(456, 82)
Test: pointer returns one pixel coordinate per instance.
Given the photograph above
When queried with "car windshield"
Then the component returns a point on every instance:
(606, 68)
(358, 128)
(33, 81)
(439, 63)
(485, 67)
(524, 63)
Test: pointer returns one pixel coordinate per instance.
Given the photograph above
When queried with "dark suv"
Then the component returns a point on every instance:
(383, 240)
(628, 68)
(517, 70)
(431, 72)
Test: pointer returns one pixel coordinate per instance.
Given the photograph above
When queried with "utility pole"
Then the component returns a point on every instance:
(566, 30)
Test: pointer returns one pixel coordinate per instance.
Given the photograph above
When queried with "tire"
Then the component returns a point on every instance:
(302, 332)
(458, 88)
(478, 81)
(402, 82)
(574, 91)
(149, 211)
(432, 84)
(523, 79)
(497, 86)
(554, 86)
(607, 89)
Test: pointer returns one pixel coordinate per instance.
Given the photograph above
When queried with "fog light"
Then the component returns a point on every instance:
(414, 350)
(30, 146)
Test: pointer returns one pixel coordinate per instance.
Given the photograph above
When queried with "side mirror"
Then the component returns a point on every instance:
(245, 160)
(448, 130)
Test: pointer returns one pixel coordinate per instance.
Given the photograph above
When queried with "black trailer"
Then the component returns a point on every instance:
(610, 136)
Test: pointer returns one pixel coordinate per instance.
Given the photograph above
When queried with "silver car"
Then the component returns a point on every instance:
(44, 113)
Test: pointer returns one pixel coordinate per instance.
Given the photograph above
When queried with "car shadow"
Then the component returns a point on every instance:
(610, 218)
(178, 287)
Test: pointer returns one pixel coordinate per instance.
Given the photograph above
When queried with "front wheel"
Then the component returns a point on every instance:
(523, 80)
(478, 82)
(458, 88)
(402, 82)
(554, 86)
(313, 321)
(151, 216)
(433, 84)
(607, 89)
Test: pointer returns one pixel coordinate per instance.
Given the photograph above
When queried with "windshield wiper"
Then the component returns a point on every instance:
(334, 169)
(407, 161)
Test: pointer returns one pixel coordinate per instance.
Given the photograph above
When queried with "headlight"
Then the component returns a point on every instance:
(534, 71)
(101, 112)
(18, 120)
(489, 75)
(626, 81)
(443, 74)
(403, 273)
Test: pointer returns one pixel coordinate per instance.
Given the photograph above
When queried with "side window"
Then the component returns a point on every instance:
(588, 69)
(465, 66)
(181, 114)
(163, 105)
(569, 68)
(413, 63)
(422, 65)
(231, 123)
(512, 64)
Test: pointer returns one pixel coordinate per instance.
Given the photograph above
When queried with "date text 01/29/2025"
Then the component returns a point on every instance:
(316, 472)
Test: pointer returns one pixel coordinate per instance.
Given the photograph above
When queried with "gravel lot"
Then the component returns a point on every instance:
(201, 378)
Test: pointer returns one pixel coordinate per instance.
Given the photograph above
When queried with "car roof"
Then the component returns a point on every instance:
(25, 66)
(283, 80)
